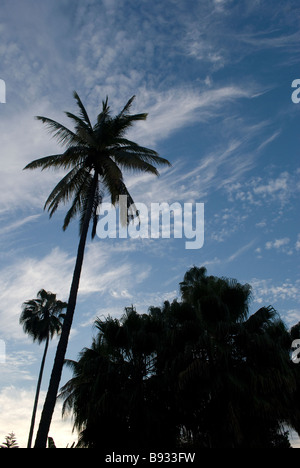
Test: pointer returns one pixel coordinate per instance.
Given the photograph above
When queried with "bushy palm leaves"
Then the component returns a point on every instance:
(198, 373)
(95, 157)
(42, 317)
(241, 362)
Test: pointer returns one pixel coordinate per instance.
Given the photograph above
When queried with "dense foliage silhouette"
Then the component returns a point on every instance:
(197, 373)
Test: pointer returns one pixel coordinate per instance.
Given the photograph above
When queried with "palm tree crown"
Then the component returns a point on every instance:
(42, 317)
(101, 150)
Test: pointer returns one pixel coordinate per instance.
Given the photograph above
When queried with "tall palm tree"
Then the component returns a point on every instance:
(42, 318)
(95, 157)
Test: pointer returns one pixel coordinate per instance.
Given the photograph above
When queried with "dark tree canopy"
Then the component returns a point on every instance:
(197, 373)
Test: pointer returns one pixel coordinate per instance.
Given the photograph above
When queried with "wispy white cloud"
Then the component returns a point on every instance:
(257, 191)
(18, 224)
(267, 291)
(211, 39)
(277, 244)
(211, 172)
(269, 140)
(226, 223)
(237, 253)
(102, 269)
(284, 245)
(240, 251)
(177, 108)
(274, 187)
(16, 367)
(272, 40)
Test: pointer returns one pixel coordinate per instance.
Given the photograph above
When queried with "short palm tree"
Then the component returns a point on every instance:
(42, 319)
(95, 156)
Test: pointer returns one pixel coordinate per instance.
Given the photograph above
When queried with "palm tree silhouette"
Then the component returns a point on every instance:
(42, 319)
(95, 157)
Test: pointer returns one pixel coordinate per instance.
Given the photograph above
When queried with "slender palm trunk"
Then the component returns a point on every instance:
(49, 405)
(37, 394)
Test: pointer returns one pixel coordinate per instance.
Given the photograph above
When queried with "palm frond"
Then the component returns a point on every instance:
(44, 163)
(75, 208)
(104, 113)
(127, 107)
(110, 176)
(83, 111)
(66, 188)
(134, 162)
(82, 129)
(64, 135)
(131, 212)
(124, 143)
(123, 123)
(70, 158)
(145, 154)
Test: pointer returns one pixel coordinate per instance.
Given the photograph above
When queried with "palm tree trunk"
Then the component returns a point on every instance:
(49, 405)
(37, 394)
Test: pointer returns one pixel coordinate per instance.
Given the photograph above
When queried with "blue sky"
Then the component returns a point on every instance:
(215, 77)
